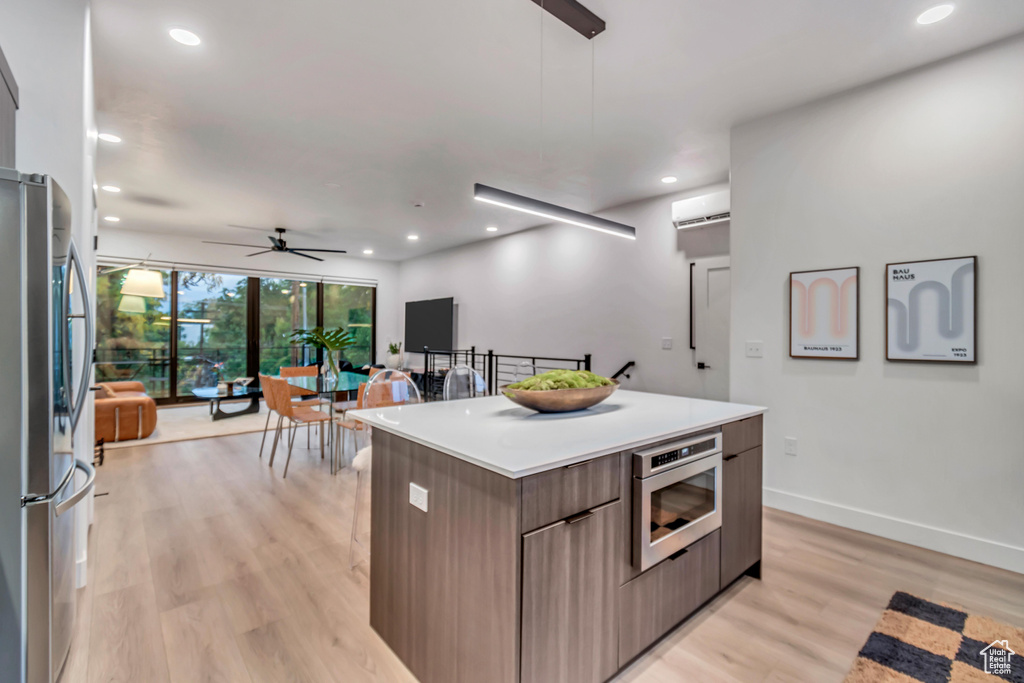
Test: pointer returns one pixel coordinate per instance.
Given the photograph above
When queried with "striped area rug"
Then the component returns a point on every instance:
(917, 641)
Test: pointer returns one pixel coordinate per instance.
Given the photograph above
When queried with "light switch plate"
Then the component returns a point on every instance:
(790, 445)
(755, 349)
(418, 496)
(666, 343)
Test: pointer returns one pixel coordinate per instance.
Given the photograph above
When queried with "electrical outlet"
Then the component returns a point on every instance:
(666, 343)
(790, 445)
(418, 497)
(755, 349)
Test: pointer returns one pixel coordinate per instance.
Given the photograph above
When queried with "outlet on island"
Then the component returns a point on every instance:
(418, 496)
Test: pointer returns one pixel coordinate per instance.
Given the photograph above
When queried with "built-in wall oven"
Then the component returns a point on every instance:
(677, 496)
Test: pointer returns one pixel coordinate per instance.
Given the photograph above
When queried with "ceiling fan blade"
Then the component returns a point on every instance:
(297, 253)
(246, 227)
(234, 244)
(329, 251)
(275, 241)
(265, 251)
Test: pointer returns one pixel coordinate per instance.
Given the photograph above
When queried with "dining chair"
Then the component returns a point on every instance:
(384, 389)
(296, 415)
(303, 398)
(268, 398)
(463, 381)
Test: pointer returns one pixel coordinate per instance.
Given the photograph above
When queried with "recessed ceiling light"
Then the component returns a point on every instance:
(181, 291)
(367, 251)
(413, 238)
(669, 179)
(112, 219)
(937, 13)
(302, 284)
(333, 186)
(491, 228)
(185, 37)
(286, 291)
(109, 137)
(110, 188)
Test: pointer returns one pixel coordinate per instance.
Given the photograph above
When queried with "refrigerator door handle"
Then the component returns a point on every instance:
(76, 406)
(90, 481)
(43, 498)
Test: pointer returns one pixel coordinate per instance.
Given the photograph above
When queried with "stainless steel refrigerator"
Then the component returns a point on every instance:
(44, 308)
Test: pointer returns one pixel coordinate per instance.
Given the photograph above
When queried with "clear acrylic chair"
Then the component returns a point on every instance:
(463, 381)
(525, 370)
(386, 388)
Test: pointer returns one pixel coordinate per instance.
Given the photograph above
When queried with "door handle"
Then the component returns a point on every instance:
(76, 403)
(77, 496)
(41, 498)
(677, 555)
(730, 457)
(579, 518)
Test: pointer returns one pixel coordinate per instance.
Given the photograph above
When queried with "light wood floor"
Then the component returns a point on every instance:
(206, 566)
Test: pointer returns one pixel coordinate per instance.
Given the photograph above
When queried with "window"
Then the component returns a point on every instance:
(285, 305)
(133, 335)
(351, 307)
(212, 329)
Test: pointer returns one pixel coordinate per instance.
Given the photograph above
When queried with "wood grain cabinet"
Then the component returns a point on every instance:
(654, 602)
(569, 608)
(556, 494)
(741, 513)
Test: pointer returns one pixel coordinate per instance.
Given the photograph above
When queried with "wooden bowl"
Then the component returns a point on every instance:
(559, 400)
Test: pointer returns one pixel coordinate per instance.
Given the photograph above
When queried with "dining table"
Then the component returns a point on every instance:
(344, 382)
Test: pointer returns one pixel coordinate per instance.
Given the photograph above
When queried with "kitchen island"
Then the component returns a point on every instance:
(509, 546)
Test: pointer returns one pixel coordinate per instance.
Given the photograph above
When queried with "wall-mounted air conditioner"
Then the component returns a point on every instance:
(696, 212)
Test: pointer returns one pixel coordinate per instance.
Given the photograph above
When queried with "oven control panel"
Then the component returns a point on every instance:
(680, 453)
(651, 461)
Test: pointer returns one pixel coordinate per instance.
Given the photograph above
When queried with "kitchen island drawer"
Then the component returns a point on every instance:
(654, 602)
(742, 435)
(566, 491)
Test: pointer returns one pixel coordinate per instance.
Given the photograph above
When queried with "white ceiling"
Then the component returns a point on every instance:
(405, 101)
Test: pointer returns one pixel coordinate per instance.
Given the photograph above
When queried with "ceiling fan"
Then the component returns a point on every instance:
(278, 244)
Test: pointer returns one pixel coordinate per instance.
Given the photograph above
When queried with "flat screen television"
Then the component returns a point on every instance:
(430, 323)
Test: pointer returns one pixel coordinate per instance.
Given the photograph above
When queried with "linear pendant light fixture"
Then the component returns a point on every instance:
(560, 214)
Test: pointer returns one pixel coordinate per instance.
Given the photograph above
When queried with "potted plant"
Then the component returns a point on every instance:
(394, 359)
(333, 342)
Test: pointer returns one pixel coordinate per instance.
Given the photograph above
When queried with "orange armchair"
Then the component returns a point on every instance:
(124, 411)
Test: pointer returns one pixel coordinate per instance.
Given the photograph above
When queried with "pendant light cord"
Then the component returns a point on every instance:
(542, 11)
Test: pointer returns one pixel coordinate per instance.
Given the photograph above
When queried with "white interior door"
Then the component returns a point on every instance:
(710, 334)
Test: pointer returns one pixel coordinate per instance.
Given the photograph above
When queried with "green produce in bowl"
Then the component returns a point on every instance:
(562, 379)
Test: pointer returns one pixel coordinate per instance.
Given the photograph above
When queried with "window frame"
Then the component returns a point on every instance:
(252, 341)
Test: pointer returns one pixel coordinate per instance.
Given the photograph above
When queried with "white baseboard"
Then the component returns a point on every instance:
(949, 542)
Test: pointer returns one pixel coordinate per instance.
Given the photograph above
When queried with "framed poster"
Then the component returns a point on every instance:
(824, 314)
(931, 310)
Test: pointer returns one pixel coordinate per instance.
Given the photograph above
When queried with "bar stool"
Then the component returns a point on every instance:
(386, 388)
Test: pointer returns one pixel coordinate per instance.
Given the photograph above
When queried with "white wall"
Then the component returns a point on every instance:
(926, 165)
(565, 291)
(47, 45)
(170, 248)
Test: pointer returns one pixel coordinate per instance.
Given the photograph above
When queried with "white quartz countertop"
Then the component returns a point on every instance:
(499, 435)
